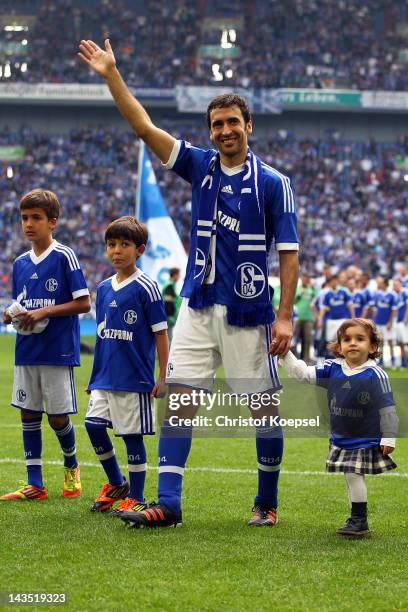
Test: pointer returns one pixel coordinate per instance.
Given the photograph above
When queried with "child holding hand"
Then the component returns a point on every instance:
(363, 419)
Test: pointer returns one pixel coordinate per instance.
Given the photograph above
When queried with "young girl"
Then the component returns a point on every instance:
(363, 418)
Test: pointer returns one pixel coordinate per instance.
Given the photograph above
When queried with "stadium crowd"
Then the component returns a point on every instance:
(299, 43)
(351, 196)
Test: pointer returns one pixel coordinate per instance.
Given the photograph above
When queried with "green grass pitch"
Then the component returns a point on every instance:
(214, 562)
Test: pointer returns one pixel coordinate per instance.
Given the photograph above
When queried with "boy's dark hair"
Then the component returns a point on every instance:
(227, 100)
(369, 327)
(127, 227)
(44, 199)
(174, 271)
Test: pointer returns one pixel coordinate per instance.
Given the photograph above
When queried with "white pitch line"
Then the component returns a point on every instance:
(207, 469)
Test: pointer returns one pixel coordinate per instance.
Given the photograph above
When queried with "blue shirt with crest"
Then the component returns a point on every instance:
(355, 398)
(52, 278)
(127, 316)
(384, 302)
(191, 164)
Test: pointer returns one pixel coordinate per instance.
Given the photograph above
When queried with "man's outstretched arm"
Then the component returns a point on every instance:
(103, 62)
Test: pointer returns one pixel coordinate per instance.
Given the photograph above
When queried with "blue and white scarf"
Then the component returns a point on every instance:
(252, 304)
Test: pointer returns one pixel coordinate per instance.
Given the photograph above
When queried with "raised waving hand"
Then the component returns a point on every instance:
(101, 61)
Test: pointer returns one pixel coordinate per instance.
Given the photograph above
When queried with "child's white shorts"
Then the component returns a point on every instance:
(203, 340)
(44, 388)
(387, 335)
(402, 332)
(127, 413)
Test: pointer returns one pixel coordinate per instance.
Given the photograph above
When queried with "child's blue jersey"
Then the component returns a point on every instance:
(337, 302)
(55, 277)
(384, 302)
(359, 299)
(402, 305)
(127, 315)
(355, 398)
(280, 214)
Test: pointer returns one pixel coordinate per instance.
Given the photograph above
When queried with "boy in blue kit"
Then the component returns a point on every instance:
(131, 323)
(49, 292)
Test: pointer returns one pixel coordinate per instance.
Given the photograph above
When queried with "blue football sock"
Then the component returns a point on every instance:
(136, 454)
(174, 447)
(100, 440)
(66, 438)
(32, 442)
(269, 449)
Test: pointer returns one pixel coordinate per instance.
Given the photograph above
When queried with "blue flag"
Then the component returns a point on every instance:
(164, 248)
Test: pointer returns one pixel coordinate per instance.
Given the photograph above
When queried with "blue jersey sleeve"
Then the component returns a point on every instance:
(347, 297)
(326, 299)
(187, 161)
(154, 308)
(381, 386)
(280, 211)
(323, 373)
(74, 275)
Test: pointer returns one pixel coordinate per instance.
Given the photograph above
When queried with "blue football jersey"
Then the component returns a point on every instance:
(280, 215)
(359, 298)
(354, 402)
(402, 305)
(54, 277)
(384, 302)
(337, 303)
(127, 315)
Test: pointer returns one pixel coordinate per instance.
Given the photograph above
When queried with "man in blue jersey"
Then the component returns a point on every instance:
(402, 320)
(385, 305)
(49, 290)
(239, 205)
(131, 323)
(336, 307)
(359, 295)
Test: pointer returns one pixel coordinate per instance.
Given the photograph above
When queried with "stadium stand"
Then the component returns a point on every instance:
(297, 43)
(344, 189)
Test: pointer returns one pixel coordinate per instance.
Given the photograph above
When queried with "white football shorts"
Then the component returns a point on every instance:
(402, 332)
(44, 388)
(387, 335)
(203, 340)
(126, 413)
(332, 325)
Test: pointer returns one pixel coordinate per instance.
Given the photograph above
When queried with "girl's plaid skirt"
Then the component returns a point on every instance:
(358, 460)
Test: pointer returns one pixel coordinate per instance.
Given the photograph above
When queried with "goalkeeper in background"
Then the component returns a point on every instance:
(172, 299)
(49, 292)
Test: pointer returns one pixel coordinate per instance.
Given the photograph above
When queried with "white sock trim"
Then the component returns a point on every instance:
(269, 468)
(33, 461)
(139, 467)
(107, 455)
(171, 469)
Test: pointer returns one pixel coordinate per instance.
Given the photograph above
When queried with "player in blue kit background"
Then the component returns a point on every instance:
(402, 320)
(240, 205)
(336, 307)
(49, 290)
(385, 304)
(363, 419)
(131, 323)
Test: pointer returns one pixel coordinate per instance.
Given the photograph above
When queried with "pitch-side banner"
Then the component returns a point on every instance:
(194, 99)
(165, 249)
